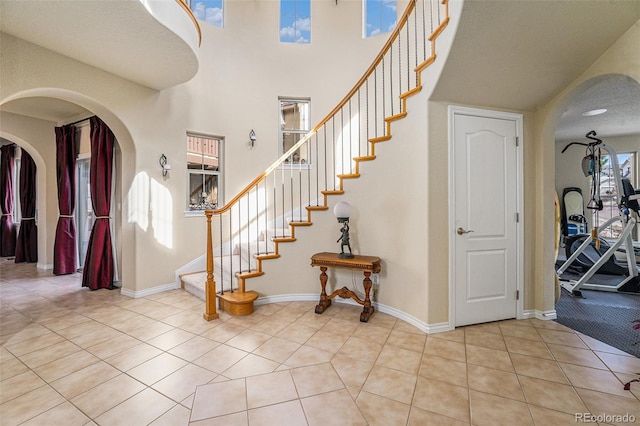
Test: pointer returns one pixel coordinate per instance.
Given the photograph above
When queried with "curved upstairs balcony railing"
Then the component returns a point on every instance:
(250, 227)
(187, 9)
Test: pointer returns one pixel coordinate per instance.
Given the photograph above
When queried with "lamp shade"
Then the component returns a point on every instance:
(342, 210)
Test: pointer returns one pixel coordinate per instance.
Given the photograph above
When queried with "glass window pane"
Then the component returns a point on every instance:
(209, 11)
(203, 191)
(194, 161)
(290, 139)
(210, 159)
(203, 165)
(294, 115)
(380, 17)
(300, 155)
(609, 192)
(295, 21)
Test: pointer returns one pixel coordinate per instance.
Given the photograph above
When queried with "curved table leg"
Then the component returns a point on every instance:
(368, 309)
(325, 302)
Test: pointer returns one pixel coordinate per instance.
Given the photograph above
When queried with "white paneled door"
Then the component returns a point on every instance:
(484, 216)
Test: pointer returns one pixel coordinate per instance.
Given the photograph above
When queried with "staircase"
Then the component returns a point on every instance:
(250, 228)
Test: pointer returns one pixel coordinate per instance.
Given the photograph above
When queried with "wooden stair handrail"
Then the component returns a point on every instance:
(394, 35)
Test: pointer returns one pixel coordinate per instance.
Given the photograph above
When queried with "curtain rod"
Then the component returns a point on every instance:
(79, 121)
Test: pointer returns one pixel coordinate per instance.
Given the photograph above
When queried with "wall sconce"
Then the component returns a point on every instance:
(342, 211)
(252, 138)
(165, 166)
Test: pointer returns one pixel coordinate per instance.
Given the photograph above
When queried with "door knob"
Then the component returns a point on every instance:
(462, 231)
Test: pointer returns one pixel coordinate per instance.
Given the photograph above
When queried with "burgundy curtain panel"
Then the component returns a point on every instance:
(98, 265)
(27, 246)
(64, 249)
(7, 231)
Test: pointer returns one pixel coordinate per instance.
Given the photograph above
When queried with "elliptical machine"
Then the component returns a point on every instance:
(604, 255)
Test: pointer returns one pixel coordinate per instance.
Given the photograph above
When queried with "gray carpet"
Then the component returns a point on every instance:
(605, 316)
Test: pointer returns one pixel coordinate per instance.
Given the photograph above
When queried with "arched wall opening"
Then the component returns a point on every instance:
(547, 159)
(40, 185)
(124, 158)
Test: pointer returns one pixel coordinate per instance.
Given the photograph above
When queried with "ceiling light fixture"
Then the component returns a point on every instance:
(594, 112)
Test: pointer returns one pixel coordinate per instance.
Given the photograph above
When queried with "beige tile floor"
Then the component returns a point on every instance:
(70, 356)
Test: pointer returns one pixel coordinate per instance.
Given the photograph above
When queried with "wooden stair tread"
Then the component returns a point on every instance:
(396, 117)
(266, 256)
(317, 207)
(365, 158)
(349, 176)
(431, 59)
(283, 239)
(300, 223)
(332, 192)
(411, 92)
(380, 139)
(438, 30)
(249, 274)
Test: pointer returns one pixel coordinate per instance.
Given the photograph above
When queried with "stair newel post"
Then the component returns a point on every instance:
(210, 287)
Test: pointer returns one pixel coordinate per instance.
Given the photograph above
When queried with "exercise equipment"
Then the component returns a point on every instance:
(574, 220)
(591, 254)
(592, 244)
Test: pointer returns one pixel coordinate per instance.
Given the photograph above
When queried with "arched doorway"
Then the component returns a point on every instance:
(608, 104)
(29, 119)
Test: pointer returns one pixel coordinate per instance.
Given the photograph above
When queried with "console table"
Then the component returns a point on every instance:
(367, 264)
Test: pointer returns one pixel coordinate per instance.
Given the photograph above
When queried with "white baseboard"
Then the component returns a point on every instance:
(546, 315)
(148, 291)
(44, 266)
(541, 315)
(313, 297)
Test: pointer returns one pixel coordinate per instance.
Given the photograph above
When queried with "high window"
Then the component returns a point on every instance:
(204, 172)
(295, 21)
(294, 124)
(380, 16)
(609, 193)
(208, 10)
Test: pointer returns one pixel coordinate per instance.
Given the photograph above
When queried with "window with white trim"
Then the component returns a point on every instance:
(204, 180)
(294, 125)
(210, 11)
(380, 16)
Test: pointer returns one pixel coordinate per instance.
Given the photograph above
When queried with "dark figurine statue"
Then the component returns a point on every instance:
(345, 241)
